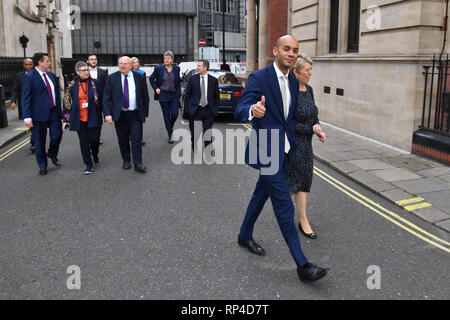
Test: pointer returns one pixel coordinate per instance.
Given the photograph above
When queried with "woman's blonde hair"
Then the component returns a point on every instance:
(301, 61)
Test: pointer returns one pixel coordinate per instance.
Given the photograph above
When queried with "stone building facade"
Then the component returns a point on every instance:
(369, 57)
(46, 25)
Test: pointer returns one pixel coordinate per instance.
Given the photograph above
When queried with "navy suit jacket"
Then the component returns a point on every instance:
(35, 96)
(156, 79)
(113, 96)
(194, 94)
(94, 112)
(264, 82)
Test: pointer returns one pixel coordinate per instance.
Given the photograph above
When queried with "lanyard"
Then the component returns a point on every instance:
(84, 91)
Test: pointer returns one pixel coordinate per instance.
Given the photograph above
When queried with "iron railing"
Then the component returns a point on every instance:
(436, 97)
(8, 69)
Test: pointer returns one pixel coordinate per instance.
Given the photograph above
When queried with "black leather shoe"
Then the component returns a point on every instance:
(140, 168)
(143, 143)
(311, 272)
(308, 235)
(252, 246)
(42, 171)
(126, 165)
(32, 148)
(170, 141)
(55, 161)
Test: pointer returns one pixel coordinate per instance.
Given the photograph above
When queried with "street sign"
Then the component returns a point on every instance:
(201, 42)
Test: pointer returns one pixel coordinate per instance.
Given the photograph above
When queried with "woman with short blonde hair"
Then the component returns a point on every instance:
(300, 172)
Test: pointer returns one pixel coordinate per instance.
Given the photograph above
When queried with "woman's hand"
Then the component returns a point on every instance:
(317, 128)
(322, 136)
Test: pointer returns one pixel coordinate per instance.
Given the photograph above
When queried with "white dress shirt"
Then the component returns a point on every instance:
(49, 81)
(131, 91)
(93, 72)
(280, 76)
(206, 88)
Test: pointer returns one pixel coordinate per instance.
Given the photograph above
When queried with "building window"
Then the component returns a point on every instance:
(334, 22)
(230, 6)
(353, 25)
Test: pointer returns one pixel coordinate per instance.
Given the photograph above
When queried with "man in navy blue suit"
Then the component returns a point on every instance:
(41, 108)
(202, 97)
(125, 101)
(269, 102)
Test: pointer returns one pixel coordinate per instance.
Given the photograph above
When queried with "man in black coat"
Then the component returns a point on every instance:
(16, 94)
(202, 98)
(96, 72)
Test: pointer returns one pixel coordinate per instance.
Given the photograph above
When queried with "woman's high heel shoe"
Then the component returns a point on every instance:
(308, 235)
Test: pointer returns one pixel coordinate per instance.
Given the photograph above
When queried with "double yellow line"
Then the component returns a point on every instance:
(385, 213)
(14, 149)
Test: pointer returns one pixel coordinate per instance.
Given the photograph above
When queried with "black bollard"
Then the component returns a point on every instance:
(3, 116)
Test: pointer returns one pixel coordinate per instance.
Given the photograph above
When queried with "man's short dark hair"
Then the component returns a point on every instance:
(205, 63)
(39, 56)
(90, 55)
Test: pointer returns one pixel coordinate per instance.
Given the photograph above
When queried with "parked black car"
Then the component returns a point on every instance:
(229, 87)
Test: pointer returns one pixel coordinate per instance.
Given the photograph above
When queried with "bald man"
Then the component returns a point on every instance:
(16, 94)
(125, 102)
(269, 101)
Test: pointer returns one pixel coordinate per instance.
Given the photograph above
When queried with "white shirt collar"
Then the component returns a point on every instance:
(40, 72)
(279, 73)
(129, 74)
(93, 68)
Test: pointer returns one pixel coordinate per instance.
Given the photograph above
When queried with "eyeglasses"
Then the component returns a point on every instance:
(84, 70)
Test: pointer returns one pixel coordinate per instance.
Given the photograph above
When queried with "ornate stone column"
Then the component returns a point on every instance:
(251, 37)
(263, 36)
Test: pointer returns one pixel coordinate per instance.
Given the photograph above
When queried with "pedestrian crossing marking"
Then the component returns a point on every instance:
(417, 206)
(408, 201)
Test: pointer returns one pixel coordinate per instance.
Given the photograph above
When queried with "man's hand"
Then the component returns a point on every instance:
(259, 109)
(158, 91)
(29, 123)
(13, 106)
(109, 119)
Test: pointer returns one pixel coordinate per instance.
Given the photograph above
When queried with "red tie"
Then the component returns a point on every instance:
(49, 89)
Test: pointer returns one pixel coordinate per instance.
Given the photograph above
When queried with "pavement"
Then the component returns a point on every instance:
(418, 185)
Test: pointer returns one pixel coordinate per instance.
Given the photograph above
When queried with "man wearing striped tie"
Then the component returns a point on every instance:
(41, 109)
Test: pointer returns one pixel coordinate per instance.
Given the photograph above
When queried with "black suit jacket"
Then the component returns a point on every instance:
(113, 96)
(194, 94)
(102, 74)
(17, 89)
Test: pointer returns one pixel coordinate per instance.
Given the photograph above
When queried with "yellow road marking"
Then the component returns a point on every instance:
(417, 206)
(21, 129)
(408, 201)
(373, 206)
(14, 149)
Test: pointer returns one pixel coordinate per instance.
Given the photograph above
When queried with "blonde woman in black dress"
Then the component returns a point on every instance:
(300, 172)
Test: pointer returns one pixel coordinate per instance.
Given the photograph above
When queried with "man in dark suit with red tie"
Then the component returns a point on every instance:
(125, 101)
(202, 98)
(41, 108)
